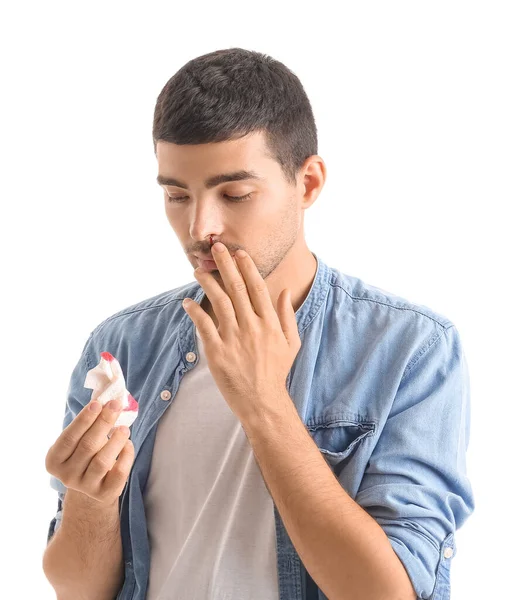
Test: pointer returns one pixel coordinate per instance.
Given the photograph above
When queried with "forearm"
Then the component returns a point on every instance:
(343, 548)
(84, 559)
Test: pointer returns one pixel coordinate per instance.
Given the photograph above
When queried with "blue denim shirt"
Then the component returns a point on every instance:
(381, 385)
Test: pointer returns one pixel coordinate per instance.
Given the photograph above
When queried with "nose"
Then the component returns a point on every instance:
(205, 219)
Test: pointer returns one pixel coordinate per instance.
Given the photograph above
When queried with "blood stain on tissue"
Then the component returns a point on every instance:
(133, 405)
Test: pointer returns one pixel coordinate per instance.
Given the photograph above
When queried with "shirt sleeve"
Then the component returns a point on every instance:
(57, 521)
(415, 484)
(77, 397)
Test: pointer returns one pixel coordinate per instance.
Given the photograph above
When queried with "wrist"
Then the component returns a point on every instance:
(85, 502)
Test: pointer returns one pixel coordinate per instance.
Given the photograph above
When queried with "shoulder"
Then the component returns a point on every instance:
(163, 307)
(379, 319)
(365, 297)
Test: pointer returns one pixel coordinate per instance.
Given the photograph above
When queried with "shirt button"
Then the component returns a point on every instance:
(165, 395)
(448, 552)
(191, 357)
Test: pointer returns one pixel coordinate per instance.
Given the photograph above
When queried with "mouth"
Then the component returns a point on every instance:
(207, 265)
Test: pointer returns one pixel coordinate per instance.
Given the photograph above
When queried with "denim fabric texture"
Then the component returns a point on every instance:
(381, 385)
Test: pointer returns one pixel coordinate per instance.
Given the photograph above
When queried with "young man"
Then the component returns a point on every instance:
(301, 434)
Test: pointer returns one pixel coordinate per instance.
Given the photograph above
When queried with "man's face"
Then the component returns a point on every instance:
(265, 223)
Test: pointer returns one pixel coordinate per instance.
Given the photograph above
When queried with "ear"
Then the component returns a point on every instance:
(313, 179)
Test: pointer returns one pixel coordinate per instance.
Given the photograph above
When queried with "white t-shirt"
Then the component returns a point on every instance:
(210, 517)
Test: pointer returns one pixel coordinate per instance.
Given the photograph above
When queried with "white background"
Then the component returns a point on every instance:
(418, 108)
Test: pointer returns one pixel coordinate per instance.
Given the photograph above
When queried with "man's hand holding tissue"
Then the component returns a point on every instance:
(84, 459)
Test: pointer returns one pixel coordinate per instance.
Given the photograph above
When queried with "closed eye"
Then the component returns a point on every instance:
(180, 199)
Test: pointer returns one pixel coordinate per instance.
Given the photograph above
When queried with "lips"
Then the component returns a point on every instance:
(207, 262)
(207, 265)
(204, 256)
(209, 256)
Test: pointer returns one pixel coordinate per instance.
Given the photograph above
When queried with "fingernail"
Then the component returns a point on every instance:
(95, 406)
(114, 405)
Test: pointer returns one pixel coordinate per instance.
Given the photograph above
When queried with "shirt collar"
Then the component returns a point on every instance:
(304, 315)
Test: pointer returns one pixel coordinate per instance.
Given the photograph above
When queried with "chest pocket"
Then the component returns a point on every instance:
(338, 439)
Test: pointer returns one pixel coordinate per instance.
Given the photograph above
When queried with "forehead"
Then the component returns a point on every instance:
(200, 160)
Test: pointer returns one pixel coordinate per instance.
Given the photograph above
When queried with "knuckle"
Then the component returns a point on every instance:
(252, 329)
(102, 463)
(119, 472)
(238, 286)
(87, 444)
(224, 303)
(274, 330)
(50, 467)
(108, 417)
(254, 335)
(65, 477)
(68, 441)
(49, 462)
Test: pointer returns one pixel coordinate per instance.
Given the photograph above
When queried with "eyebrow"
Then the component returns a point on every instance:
(212, 181)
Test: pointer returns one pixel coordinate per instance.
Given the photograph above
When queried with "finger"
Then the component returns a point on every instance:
(202, 321)
(116, 478)
(258, 293)
(68, 440)
(235, 285)
(93, 440)
(287, 319)
(219, 299)
(104, 460)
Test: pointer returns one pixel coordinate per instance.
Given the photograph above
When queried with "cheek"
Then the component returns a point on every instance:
(263, 225)
(170, 215)
(263, 215)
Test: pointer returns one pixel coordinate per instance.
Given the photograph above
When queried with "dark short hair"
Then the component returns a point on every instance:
(230, 93)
